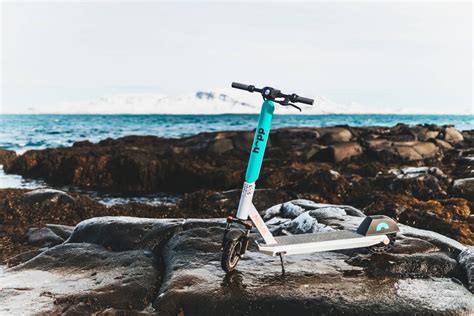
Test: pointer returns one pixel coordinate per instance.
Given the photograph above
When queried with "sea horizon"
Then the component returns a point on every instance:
(22, 132)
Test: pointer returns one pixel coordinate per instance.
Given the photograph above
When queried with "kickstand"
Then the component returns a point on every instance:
(282, 265)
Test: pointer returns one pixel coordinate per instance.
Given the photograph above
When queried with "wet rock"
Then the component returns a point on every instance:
(48, 196)
(433, 264)
(451, 135)
(403, 150)
(123, 264)
(466, 260)
(341, 151)
(328, 282)
(7, 157)
(81, 278)
(83, 143)
(221, 146)
(423, 133)
(62, 231)
(125, 233)
(464, 187)
(43, 237)
(331, 135)
(217, 161)
(243, 141)
(421, 182)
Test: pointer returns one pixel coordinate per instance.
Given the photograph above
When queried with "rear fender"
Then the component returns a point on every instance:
(232, 235)
(378, 225)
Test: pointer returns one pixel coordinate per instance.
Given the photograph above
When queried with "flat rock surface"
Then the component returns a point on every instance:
(172, 267)
(79, 279)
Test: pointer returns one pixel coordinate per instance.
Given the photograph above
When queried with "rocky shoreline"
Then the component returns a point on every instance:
(421, 175)
(165, 258)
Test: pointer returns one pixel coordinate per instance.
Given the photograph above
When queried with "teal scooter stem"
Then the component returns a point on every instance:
(375, 232)
(260, 141)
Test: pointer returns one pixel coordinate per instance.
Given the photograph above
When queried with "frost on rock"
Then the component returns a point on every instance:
(305, 224)
(413, 172)
(277, 221)
(328, 212)
(272, 211)
(291, 210)
(466, 260)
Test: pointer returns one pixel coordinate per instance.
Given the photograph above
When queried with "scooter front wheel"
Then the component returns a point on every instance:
(231, 255)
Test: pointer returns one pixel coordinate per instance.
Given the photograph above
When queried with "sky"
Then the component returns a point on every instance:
(378, 54)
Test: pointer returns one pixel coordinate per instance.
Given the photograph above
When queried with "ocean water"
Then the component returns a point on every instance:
(24, 132)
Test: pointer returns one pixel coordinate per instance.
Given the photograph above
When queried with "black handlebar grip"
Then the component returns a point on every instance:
(241, 86)
(304, 100)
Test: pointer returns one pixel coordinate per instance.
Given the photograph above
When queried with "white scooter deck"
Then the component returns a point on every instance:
(307, 243)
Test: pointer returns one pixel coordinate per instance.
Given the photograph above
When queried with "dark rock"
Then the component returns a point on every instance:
(466, 260)
(83, 143)
(217, 161)
(48, 196)
(62, 231)
(87, 277)
(422, 182)
(331, 135)
(221, 146)
(125, 233)
(340, 151)
(464, 188)
(43, 237)
(327, 282)
(7, 157)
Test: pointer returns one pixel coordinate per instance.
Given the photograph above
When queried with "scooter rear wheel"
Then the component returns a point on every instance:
(231, 255)
(381, 248)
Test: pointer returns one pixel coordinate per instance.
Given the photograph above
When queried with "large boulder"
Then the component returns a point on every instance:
(452, 135)
(464, 187)
(47, 196)
(7, 157)
(340, 151)
(331, 135)
(125, 233)
(421, 182)
(352, 282)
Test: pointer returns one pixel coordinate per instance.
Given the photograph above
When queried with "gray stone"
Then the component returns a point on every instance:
(42, 237)
(125, 233)
(466, 260)
(62, 231)
(46, 196)
(464, 187)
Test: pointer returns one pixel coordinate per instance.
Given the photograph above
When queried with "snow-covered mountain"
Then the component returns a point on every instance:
(224, 101)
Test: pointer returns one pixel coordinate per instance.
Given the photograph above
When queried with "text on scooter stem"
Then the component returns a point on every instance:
(259, 138)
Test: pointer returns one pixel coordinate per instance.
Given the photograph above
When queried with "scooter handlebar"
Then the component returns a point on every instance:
(277, 94)
(304, 100)
(241, 86)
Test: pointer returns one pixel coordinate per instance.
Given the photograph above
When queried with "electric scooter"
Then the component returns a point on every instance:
(377, 233)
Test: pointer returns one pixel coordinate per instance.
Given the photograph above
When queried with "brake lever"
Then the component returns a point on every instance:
(286, 102)
(295, 106)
